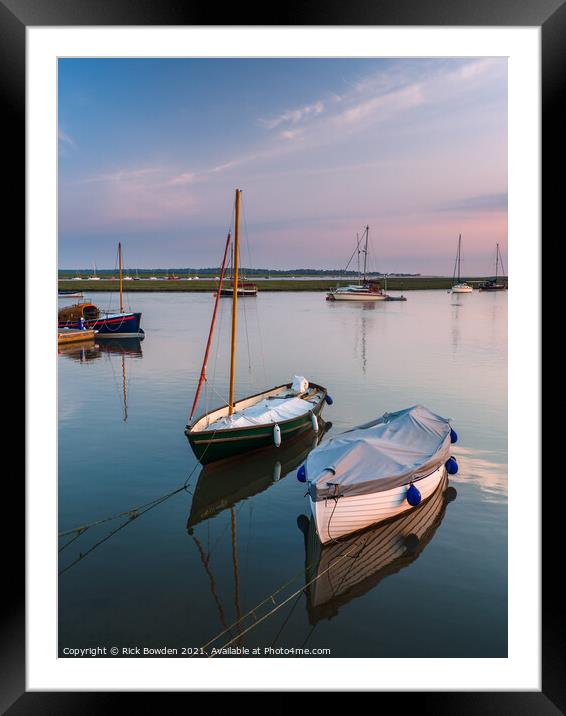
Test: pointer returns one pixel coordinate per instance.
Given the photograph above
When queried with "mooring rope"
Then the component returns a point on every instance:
(271, 598)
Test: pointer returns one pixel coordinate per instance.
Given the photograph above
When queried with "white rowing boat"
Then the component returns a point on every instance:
(377, 471)
(341, 571)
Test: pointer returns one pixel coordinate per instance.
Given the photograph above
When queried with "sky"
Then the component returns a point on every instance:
(151, 151)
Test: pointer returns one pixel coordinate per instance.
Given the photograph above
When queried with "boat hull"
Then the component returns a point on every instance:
(345, 515)
(223, 485)
(70, 294)
(462, 289)
(224, 293)
(118, 325)
(339, 572)
(74, 336)
(213, 445)
(356, 297)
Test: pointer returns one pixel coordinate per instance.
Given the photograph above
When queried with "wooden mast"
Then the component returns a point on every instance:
(234, 301)
(120, 265)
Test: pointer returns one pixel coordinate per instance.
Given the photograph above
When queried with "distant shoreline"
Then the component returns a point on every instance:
(206, 285)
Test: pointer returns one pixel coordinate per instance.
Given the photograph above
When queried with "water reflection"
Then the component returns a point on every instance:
(358, 309)
(221, 486)
(121, 346)
(92, 350)
(337, 573)
(455, 327)
(80, 352)
(479, 468)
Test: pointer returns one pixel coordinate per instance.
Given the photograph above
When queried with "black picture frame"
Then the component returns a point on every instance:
(15, 16)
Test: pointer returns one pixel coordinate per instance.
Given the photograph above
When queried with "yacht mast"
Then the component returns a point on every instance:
(234, 301)
(366, 252)
(496, 261)
(120, 265)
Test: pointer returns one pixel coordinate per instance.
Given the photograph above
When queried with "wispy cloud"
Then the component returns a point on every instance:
(123, 176)
(294, 116)
(183, 179)
(480, 203)
(380, 108)
(136, 195)
(384, 96)
(65, 140)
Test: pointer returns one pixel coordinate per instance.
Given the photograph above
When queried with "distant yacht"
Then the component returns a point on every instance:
(365, 290)
(494, 284)
(459, 286)
(94, 277)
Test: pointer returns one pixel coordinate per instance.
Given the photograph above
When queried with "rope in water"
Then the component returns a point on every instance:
(131, 514)
(271, 598)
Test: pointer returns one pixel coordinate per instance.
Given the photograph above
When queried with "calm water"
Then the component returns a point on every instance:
(187, 566)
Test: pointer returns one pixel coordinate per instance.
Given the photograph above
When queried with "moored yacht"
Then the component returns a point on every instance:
(366, 289)
(459, 286)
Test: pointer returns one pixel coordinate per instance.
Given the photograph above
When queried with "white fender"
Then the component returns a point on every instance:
(277, 436)
(277, 471)
(314, 422)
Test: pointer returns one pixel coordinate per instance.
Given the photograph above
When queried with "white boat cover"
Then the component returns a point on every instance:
(268, 410)
(381, 455)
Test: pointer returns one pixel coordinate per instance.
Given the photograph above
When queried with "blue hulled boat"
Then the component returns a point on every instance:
(108, 324)
(87, 315)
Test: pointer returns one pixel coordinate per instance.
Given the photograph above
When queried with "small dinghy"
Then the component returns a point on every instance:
(377, 470)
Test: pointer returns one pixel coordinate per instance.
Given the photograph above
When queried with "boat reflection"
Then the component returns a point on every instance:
(80, 352)
(338, 572)
(220, 486)
(89, 350)
(121, 346)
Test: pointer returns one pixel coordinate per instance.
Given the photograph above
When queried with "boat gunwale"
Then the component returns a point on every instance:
(190, 431)
(414, 477)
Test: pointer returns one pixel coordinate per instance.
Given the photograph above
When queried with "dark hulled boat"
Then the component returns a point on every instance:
(245, 288)
(213, 438)
(108, 324)
(495, 283)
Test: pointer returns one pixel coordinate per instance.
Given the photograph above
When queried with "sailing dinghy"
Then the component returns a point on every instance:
(262, 420)
(377, 470)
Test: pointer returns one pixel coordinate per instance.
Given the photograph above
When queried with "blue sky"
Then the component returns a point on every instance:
(150, 152)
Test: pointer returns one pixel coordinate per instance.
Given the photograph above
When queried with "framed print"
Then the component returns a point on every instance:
(282, 421)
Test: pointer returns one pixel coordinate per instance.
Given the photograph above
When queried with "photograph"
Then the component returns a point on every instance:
(282, 357)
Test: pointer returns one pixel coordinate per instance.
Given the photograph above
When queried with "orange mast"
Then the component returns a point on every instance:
(209, 343)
